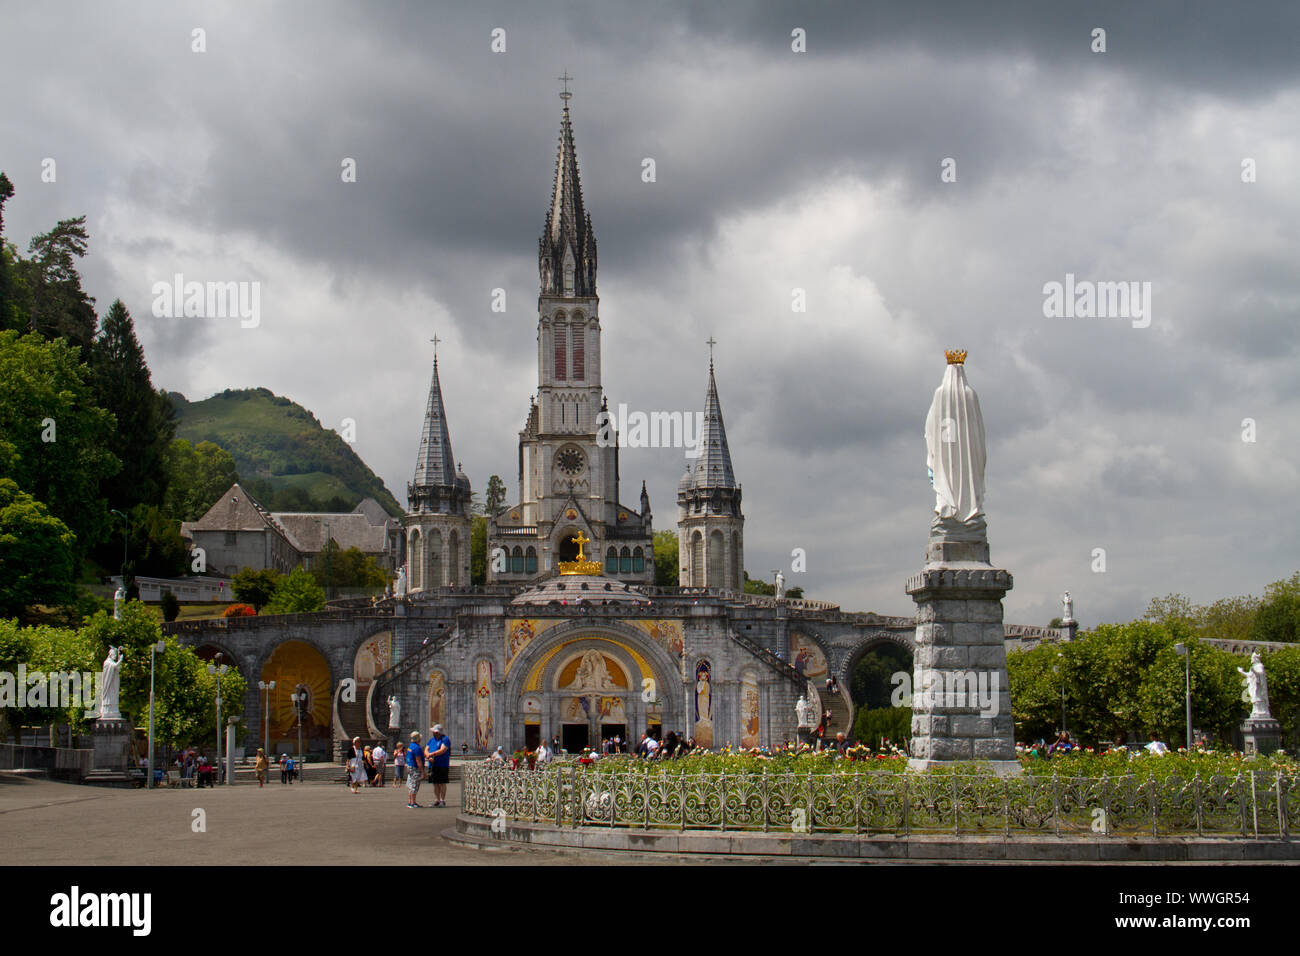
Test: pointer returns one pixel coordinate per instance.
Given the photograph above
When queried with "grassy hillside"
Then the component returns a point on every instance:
(284, 457)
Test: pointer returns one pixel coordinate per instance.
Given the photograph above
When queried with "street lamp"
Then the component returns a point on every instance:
(218, 669)
(266, 713)
(126, 527)
(1182, 650)
(154, 649)
(299, 706)
(1060, 669)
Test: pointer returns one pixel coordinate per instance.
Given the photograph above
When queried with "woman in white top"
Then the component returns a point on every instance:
(357, 767)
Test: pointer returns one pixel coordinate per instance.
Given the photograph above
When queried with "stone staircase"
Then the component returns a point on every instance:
(840, 714)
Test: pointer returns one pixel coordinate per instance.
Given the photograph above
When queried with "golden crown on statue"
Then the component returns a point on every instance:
(955, 356)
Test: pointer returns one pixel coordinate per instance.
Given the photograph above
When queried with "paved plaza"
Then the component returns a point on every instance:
(319, 824)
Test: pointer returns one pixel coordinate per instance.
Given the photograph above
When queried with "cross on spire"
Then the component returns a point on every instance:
(435, 340)
(566, 95)
(711, 341)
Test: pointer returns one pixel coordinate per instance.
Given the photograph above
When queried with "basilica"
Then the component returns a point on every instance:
(569, 637)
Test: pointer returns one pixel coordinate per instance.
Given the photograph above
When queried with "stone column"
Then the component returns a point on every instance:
(961, 702)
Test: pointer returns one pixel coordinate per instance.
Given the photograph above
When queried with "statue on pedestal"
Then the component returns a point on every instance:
(956, 454)
(803, 711)
(1067, 603)
(1256, 688)
(119, 596)
(394, 714)
(780, 586)
(110, 685)
(399, 590)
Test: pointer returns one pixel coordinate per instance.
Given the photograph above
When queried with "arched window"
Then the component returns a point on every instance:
(611, 561)
(697, 560)
(735, 561)
(561, 336)
(568, 276)
(716, 560)
(625, 561)
(579, 351)
(453, 559)
(415, 548)
(530, 560)
(638, 561)
(517, 560)
(433, 573)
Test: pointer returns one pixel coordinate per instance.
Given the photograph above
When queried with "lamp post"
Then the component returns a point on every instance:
(154, 649)
(266, 687)
(300, 705)
(126, 527)
(1060, 669)
(1182, 650)
(218, 669)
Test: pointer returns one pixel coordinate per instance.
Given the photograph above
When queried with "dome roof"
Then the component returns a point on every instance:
(581, 589)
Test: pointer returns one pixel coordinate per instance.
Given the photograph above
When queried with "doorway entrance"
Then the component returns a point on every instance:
(532, 736)
(610, 731)
(573, 737)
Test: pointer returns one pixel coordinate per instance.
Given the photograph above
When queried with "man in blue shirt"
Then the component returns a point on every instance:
(439, 754)
(414, 768)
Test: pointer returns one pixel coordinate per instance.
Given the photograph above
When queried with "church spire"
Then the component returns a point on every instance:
(566, 251)
(712, 468)
(436, 482)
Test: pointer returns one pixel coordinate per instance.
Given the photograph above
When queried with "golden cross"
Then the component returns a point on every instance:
(580, 539)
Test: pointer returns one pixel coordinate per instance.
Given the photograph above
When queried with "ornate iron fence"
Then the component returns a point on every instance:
(1254, 805)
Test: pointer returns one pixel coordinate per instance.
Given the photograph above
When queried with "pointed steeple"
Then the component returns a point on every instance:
(436, 486)
(712, 468)
(566, 251)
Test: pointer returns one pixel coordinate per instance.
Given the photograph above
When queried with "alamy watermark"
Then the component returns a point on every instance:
(56, 689)
(1086, 299)
(948, 689)
(208, 300)
(650, 430)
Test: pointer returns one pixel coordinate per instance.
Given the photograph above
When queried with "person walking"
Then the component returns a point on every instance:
(356, 766)
(261, 766)
(380, 757)
(439, 753)
(414, 769)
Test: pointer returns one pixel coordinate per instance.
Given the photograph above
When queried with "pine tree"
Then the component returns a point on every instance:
(59, 308)
(145, 418)
(6, 319)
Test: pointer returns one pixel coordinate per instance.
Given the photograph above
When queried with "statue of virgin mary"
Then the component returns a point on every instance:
(956, 453)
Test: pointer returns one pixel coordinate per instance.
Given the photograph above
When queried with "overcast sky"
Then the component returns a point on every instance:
(775, 170)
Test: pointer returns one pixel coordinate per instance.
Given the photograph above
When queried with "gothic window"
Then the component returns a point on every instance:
(611, 561)
(625, 561)
(568, 277)
(453, 559)
(561, 336)
(416, 551)
(517, 561)
(715, 560)
(697, 560)
(434, 565)
(579, 352)
(735, 560)
(530, 560)
(638, 561)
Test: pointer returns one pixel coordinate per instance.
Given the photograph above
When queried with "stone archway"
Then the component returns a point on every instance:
(292, 664)
(595, 677)
(896, 647)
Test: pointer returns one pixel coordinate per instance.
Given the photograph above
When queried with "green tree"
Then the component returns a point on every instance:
(1231, 619)
(53, 438)
(156, 548)
(297, 593)
(1283, 670)
(8, 318)
(496, 495)
(667, 574)
(57, 306)
(1278, 617)
(478, 550)
(146, 422)
(171, 607)
(197, 475)
(37, 553)
(347, 569)
(871, 726)
(872, 683)
(255, 586)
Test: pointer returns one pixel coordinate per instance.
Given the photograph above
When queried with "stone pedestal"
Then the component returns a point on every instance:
(1260, 735)
(961, 701)
(111, 741)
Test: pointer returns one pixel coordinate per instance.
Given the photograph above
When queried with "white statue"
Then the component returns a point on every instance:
(592, 674)
(118, 597)
(780, 586)
(399, 589)
(1256, 684)
(1068, 603)
(803, 710)
(394, 714)
(110, 682)
(954, 440)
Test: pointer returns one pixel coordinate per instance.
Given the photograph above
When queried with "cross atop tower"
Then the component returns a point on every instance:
(566, 95)
(711, 341)
(435, 340)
